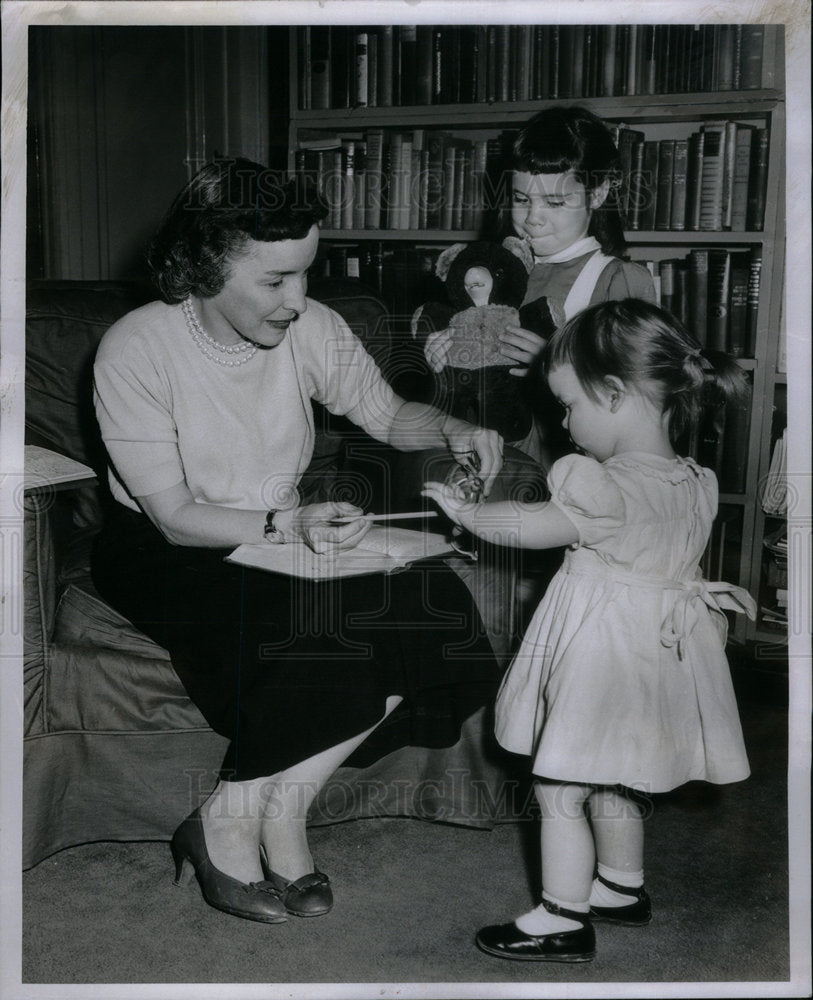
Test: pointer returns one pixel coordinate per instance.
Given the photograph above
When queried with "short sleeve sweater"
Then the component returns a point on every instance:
(238, 436)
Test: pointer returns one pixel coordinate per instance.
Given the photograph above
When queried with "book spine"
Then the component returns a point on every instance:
(333, 189)
(361, 71)
(449, 177)
(423, 64)
(408, 42)
(360, 185)
(341, 63)
(694, 180)
(555, 42)
(734, 461)
(462, 168)
(479, 170)
(541, 63)
(385, 67)
(436, 143)
(711, 181)
(711, 439)
(373, 192)
(680, 302)
(468, 64)
(724, 57)
(751, 56)
(698, 262)
(503, 63)
(609, 50)
(740, 180)
(719, 291)
(738, 305)
(752, 311)
(347, 183)
(303, 66)
(730, 138)
(372, 69)
(666, 163)
(404, 182)
(649, 189)
(321, 72)
(638, 192)
(677, 221)
(666, 270)
(758, 179)
(633, 58)
(422, 193)
(413, 195)
(649, 63)
(481, 64)
(438, 97)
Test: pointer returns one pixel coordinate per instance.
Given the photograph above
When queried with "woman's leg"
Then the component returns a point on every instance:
(240, 815)
(283, 833)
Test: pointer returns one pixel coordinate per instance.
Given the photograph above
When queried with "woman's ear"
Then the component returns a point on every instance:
(599, 195)
(615, 391)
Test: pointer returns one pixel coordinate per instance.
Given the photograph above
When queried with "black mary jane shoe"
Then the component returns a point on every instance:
(635, 914)
(253, 901)
(308, 896)
(508, 941)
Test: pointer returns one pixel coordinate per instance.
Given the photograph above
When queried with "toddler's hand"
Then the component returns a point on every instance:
(436, 349)
(521, 346)
(451, 501)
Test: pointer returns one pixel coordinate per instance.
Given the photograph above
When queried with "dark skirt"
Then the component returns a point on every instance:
(285, 668)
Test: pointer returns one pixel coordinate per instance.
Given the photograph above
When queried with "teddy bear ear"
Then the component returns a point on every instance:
(519, 248)
(446, 259)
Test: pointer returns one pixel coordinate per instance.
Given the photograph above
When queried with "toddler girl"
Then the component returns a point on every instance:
(565, 179)
(620, 684)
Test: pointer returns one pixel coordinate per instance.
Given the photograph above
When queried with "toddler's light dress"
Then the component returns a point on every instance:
(621, 677)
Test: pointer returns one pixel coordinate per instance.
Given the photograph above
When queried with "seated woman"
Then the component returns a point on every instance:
(204, 402)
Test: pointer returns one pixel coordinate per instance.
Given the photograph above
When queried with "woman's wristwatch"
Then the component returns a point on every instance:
(271, 532)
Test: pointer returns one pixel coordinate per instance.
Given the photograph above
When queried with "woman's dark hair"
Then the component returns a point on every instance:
(506, 269)
(226, 204)
(563, 139)
(646, 347)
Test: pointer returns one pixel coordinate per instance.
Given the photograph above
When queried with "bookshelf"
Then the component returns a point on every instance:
(660, 88)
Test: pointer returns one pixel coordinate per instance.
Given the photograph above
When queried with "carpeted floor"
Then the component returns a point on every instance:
(410, 894)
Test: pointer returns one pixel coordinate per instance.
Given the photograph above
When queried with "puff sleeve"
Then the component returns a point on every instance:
(588, 496)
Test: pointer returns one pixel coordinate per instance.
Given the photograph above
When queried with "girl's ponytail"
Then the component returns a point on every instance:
(710, 380)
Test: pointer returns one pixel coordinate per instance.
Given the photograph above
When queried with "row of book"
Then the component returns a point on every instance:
(714, 292)
(414, 65)
(384, 179)
(715, 180)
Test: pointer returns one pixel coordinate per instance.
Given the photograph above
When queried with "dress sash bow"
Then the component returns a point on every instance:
(716, 595)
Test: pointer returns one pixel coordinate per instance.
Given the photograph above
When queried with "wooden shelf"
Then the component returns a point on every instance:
(654, 107)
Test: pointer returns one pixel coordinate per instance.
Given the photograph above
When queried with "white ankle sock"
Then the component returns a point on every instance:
(540, 921)
(602, 895)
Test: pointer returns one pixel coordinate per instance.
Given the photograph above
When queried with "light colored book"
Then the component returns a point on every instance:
(383, 549)
(45, 468)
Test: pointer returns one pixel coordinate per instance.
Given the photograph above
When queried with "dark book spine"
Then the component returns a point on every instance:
(408, 41)
(342, 63)
(361, 70)
(734, 460)
(677, 221)
(303, 67)
(694, 180)
(638, 191)
(321, 72)
(666, 163)
(758, 179)
(372, 69)
(423, 64)
(752, 312)
(385, 67)
(738, 304)
(719, 291)
(503, 63)
(468, 64)
(751, 55)
(698, 266)
(649, 186)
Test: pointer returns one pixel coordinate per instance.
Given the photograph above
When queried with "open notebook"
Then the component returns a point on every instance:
(383, 549)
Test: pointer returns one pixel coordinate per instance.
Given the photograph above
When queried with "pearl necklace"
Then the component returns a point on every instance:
(212, 348)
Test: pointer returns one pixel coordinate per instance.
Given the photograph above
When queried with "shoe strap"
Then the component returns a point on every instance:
(551, 907)
(626, 890)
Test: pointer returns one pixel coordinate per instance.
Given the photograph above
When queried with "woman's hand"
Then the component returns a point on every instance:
(436, 349)
(521, 346)
(314, 525)
(451, 501)
(466, 439)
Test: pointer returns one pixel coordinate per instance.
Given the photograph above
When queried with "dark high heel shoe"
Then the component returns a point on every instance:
(309, 896)
(508, 941)
(254, 901)
(636, 914)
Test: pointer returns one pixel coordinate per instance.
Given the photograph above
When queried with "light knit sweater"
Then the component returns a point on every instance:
(239, 437)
